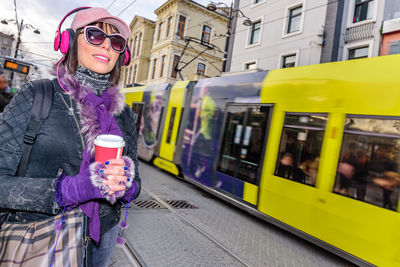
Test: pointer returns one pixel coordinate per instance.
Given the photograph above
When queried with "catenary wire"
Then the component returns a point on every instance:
(16, 17)
(111, 4)
(36, 54)
(274, 20)
(264, 23)
(126, 8)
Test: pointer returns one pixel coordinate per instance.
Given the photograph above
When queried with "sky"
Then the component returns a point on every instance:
(45, 15)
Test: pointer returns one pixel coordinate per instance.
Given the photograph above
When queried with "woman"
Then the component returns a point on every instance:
(61, 170)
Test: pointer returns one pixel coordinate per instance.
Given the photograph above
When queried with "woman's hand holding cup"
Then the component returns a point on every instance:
(115, 175)
(108, 150)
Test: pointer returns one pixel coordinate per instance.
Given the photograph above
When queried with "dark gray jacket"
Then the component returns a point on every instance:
(58, 146)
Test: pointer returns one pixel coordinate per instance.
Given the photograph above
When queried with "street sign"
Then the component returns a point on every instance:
(16, 66)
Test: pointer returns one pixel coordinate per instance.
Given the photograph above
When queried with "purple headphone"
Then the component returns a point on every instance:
(64, 40)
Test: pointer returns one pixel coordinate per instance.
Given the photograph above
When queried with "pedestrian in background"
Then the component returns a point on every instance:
(87, 102)
(5, 92)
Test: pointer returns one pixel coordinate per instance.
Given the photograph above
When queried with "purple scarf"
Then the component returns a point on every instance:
(97, 117)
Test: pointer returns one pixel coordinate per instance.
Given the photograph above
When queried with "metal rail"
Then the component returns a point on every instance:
(167, 206)
(132, 255)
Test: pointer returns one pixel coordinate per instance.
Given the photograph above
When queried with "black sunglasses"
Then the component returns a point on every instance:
(96, 36)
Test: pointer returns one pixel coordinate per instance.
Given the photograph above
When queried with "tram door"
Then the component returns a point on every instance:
(242, 150)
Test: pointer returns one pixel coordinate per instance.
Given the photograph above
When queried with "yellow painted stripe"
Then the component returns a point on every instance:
(175, 100)
(133, 94)
(250, 193)
(166, 165)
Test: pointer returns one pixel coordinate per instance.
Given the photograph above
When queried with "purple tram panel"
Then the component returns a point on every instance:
(204, 125)
(154, 98)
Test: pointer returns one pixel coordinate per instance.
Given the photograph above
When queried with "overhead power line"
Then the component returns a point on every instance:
(111, 4)
(37, 42)
(126, 8)
(28, 52)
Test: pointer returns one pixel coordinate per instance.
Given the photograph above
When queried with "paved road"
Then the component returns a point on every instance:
(162, 238)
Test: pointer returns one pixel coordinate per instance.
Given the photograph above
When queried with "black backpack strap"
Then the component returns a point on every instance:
(42, 103)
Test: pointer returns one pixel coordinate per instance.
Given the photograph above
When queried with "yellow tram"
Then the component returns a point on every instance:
(313, 149)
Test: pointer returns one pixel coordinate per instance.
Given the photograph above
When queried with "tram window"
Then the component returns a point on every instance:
(368, 168)
(137, 109)
(171, 124)
(180, 120)
(243, 141)
(159, 123)
(231, 140)
(300, 147)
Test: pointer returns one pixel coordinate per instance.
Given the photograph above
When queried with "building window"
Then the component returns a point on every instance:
(255, 32)
(138, 45)
(368, 168)
(132, 78)
(5, 41)
(205, 35)
(256, 1)
(134, 73)
(300, 147)
(294, 20)
(4, 51)
(250, 65)
(162, 66)
(169, 22)
(359, 52)
(363, 10)
(175, 66)
(153, 73)
(288, 61)
(181, 26)
(394, 48)
(160, 26)
(128, 74)
(201, 68)
(134, 47)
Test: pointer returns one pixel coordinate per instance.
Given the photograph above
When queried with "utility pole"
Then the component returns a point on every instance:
(16, 48)
(232, 13)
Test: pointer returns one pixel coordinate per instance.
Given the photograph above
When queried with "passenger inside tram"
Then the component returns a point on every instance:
(310, 169)
(368, 170)
(300, 146)
(287, 169)
(353, 172)
(384, 172)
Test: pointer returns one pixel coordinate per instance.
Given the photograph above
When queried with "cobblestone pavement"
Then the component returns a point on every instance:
(163, 239)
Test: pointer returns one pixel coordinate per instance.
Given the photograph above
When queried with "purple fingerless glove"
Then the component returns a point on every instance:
(97, 179)
(73, 190)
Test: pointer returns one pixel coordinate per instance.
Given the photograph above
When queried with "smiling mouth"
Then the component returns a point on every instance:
(103, 58)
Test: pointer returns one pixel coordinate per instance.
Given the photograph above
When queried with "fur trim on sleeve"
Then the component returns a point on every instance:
(130, 172)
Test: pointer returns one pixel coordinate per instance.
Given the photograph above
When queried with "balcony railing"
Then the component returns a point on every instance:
(359, 32)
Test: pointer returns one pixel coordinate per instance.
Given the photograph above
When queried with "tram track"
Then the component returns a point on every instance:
(132, 255)
(194, 226)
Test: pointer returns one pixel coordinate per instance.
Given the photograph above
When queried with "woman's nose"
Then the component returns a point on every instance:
(106, 44)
